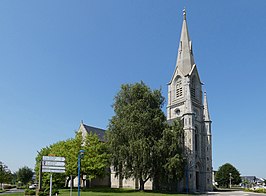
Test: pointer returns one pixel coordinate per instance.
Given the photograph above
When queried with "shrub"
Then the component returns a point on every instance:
(260, 190)
(30, 192)
(41, 193)
(46, 192)
(8, 186)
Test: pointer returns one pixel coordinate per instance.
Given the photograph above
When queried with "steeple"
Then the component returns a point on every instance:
(206, 110)
(185, 59)
(186, 102)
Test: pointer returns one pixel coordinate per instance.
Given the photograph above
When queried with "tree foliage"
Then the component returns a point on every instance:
(171, 146)
(96, 157)
(222, 176)
(170, 162)
(136, 136)
(24, 175)
(94, 160)
(5, 174)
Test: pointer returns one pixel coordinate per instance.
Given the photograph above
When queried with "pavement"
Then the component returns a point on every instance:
(14, 190)
(234, 193)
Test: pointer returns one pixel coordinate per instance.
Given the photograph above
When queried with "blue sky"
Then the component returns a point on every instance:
(64, 61)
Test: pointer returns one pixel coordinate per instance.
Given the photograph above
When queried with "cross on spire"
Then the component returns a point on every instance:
(184, 14)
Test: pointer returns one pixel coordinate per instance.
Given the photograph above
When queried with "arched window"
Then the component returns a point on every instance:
(178, 87)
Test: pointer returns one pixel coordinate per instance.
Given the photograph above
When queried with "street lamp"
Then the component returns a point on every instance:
(80, 155)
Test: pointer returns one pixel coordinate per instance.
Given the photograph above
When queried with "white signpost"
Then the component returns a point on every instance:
(53, 164)
(53, 158)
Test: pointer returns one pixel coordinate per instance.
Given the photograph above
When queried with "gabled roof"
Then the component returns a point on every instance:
(94, 130)
(195, 70)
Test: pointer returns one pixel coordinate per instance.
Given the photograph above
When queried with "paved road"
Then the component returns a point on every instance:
(13, 191)
(235, 193)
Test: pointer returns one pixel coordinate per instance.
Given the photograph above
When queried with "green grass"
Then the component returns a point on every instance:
(13, 194)
(106, 192)
(115, 192)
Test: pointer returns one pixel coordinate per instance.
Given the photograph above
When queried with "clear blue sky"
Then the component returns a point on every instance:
(63, 61)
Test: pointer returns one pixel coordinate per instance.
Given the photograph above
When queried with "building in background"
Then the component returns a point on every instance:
(186, 102)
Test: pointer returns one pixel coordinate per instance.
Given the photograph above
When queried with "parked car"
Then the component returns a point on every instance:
(33, 186)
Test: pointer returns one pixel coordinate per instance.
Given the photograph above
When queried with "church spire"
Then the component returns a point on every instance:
(206, 110)
(185, 59)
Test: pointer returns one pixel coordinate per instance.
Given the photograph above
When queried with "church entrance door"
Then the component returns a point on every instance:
(197, 181)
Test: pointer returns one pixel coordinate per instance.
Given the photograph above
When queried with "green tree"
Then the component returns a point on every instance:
(94, 162)
(43, 152)
(96, 157)
(134, 131)
(222, 176)
(5, 174)
(65, 149)
(25, 175)
(171, 160)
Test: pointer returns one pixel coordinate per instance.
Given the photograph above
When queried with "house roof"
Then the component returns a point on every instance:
(94, 130)
(249, 178)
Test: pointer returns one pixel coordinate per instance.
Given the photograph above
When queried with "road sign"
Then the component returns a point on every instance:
(54, 170)
(52, 158)
(52, 167)
(53, 164)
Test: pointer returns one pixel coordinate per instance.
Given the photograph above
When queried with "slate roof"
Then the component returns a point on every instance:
(249, 178)
(94, 130)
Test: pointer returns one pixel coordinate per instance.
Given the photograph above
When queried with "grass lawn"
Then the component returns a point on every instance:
(114, 192)
(105, 192)
(13, 194)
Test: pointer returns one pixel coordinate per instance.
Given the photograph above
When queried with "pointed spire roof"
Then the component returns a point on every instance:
(185, 59)
(206, 110)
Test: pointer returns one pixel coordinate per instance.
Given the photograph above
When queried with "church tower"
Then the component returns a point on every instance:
(185, 101)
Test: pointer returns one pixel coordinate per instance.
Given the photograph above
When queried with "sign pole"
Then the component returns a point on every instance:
(52, 164)
(40, 176)
(51, 183)
(71, 185)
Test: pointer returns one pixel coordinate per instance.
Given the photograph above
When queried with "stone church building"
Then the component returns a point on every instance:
(187, 102)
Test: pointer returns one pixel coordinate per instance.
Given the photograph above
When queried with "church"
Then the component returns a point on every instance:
(187, 102)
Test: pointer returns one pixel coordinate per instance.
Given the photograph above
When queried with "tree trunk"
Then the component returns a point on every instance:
(141, 184)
